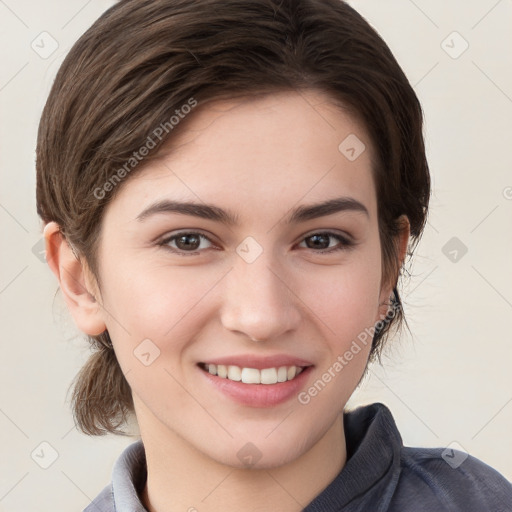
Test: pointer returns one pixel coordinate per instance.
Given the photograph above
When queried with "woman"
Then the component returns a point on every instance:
(229, 191)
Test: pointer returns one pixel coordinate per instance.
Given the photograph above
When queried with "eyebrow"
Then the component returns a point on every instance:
(212, 212)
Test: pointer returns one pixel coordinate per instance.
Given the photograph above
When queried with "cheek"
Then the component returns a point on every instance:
(345, 296)
(154, 316)
(155, 301)
(346, 301)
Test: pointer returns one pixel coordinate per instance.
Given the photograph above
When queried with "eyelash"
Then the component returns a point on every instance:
(345, 244)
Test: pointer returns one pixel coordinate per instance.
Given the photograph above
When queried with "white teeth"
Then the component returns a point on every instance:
(252, 375)
(269, 376)
(282, 374)
(234, 373)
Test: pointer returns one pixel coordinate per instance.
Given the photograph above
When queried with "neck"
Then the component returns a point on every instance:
(182, 479)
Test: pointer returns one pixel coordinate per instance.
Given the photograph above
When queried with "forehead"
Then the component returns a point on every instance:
(280, 149)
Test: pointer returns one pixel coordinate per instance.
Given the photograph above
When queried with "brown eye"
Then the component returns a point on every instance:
(186, 241)
(320, 242)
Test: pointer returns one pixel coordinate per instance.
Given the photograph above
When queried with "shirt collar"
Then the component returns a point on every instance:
(373, 461)
(129, 478)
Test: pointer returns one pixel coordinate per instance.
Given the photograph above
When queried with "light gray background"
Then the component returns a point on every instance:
(450, 383)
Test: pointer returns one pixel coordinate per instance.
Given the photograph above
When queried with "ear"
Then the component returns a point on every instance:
(402, 241)
(75, 282)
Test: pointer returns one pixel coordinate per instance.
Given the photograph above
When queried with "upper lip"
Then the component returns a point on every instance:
(259, 362)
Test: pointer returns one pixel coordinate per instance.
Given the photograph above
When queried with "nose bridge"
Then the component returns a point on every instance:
(257, 300)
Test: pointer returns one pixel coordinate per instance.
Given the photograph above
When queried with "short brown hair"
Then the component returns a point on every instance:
(143, 59)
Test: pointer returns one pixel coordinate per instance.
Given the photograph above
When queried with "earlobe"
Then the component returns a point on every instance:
(71, 274)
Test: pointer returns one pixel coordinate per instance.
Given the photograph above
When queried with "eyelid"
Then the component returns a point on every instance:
(172, 235)
(333, 232)
(345, 241)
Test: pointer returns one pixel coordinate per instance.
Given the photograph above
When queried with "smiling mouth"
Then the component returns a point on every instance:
(271, 375)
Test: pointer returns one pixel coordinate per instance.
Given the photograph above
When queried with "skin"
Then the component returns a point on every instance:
(277, 152)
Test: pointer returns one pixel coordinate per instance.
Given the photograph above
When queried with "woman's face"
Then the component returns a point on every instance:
(185, 289)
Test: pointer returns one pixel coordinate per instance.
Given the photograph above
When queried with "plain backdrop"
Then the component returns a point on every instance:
(449, 384)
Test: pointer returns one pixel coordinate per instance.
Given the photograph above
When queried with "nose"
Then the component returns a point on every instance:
(258, 300)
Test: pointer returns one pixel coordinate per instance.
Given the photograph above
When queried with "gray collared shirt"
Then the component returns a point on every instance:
(381, 475)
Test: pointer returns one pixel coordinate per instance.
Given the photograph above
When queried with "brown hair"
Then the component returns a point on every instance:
(142, 60)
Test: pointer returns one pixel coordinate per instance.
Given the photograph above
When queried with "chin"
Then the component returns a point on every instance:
(257, 452)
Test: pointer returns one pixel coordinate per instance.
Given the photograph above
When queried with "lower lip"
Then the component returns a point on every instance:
(259, 395)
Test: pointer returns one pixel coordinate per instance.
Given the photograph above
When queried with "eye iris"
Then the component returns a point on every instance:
(320, 241)
(184, 241)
